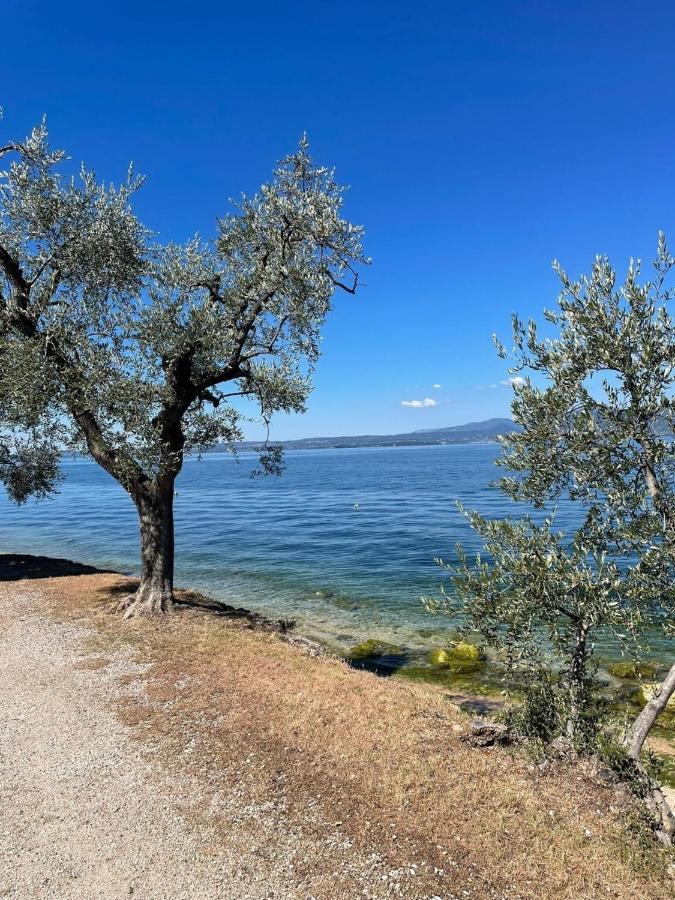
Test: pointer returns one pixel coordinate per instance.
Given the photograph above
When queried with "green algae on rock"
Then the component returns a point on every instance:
(458, 658)
(476, 683)
(465, 651)
(440, 658)
(631, 669)
(374, 648)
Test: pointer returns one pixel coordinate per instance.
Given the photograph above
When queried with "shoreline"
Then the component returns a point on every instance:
(477, 689)
(21, 566)
(333, 613)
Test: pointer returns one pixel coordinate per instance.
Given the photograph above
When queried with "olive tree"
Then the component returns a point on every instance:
(142, 349)
(542, 598)
(596, 408)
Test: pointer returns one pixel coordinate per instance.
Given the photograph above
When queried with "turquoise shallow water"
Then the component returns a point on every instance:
(293, 547)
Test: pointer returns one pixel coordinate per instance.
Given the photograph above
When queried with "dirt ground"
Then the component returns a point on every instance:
(205, 756)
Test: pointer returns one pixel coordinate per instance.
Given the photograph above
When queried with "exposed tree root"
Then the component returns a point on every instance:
(149, 600)
(662, 813)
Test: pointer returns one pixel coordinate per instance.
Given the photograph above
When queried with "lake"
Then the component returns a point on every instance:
(343, 542)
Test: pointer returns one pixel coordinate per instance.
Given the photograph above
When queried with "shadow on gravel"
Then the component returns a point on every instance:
(16, 566)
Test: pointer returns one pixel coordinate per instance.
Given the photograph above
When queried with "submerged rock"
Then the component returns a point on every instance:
(440, 658)
(631, 669)
(466, 652)
(345, 603)
(374, 648)
(460, 658)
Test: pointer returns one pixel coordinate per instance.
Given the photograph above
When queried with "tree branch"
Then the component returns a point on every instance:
(15, 277)
(269, 347)
(98, 446)
(346, 287)
(219, 376)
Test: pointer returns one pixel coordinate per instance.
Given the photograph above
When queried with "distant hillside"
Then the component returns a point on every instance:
(472, 432)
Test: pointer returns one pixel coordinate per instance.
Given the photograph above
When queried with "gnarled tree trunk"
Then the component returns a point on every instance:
(155, 591)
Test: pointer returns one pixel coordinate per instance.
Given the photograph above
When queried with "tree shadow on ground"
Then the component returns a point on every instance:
(17, 566)
(193, 600)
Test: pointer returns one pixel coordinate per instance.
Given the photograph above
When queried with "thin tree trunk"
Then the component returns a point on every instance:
(656, 802)
(645, 721)
(577, 680)
(155, 591)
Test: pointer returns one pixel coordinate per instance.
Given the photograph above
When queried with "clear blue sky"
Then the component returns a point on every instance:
(481, 139)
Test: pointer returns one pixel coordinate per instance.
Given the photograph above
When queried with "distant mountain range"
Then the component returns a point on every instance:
(472, 432)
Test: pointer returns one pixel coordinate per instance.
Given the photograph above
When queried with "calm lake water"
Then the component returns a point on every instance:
(295, 546)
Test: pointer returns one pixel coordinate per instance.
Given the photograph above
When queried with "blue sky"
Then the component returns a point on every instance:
(480, 140)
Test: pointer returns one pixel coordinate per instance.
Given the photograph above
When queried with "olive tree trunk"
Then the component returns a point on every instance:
(155, 591)
(645, 721)
(576, 676)
(656, 800)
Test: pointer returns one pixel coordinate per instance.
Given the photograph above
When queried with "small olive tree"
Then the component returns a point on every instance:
(597, 422)
(542, 599)
(595, 404)
(132, 351)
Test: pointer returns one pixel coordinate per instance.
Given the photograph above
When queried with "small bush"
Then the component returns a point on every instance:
(544, 713)
(537, 718)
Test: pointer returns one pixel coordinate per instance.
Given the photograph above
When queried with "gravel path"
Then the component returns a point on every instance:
(82, 814)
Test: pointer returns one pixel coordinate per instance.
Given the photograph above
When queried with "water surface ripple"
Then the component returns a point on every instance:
(295, 546)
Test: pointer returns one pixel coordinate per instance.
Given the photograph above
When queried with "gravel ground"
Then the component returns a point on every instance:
(82, 812)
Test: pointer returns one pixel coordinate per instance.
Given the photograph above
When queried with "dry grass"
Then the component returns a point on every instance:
(245, 711)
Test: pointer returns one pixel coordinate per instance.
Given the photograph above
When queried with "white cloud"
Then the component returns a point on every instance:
(437, 386)
(419, 404)
(517, 381)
